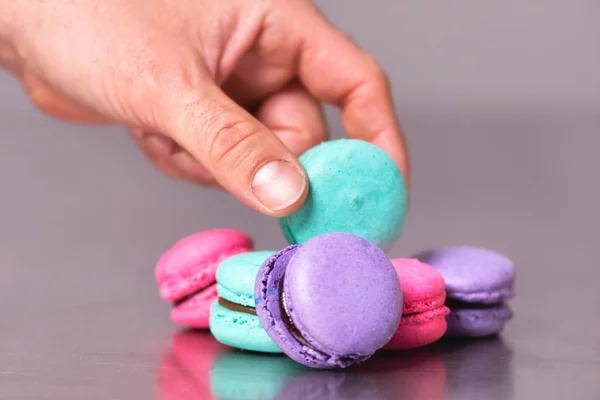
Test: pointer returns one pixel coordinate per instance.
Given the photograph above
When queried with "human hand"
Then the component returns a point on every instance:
(222, 93)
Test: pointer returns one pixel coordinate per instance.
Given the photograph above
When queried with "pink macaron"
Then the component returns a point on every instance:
(423, 313)
(186, 272)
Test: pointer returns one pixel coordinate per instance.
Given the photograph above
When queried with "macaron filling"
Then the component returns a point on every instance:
(281, 263)
(289, 322)
(190, 296)
(236, 307)
(454, 304)
(425, 316)
(489, 296)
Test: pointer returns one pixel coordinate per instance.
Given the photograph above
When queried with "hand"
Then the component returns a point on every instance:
(223, 92)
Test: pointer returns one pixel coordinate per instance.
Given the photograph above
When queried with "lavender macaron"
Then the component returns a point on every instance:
(330, 302)
(479, 282)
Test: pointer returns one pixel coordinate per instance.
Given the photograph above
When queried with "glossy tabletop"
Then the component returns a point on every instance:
(509, 165)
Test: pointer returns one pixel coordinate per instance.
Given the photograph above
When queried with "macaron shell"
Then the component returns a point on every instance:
(354, 187)
(473, 274)
(423, 287)
(192, 262)
(473, 322)
(240, 330)
(195, 312)
(236, 276)
(418, 330)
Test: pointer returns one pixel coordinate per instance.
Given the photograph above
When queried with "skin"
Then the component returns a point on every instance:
(211, 91)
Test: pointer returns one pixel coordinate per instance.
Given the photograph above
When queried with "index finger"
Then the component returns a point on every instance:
(337, 71)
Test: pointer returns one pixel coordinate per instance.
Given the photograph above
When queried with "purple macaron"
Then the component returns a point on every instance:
(330, 302)
(479, 282)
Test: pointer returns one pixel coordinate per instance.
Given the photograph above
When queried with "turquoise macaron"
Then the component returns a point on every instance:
(354, 187)
(233, 319)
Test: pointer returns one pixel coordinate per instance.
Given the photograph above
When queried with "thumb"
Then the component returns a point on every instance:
(244, 156)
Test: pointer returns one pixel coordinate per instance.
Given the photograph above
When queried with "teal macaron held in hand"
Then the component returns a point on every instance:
(233, 319)
(354, 187)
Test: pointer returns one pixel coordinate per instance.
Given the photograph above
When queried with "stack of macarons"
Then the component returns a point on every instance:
(186, 272)
(479, 282)
(332, 298)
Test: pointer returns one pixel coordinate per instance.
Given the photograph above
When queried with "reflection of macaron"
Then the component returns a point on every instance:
(418, 374)
(478, 283)
(480, 369)
(233, 319)
(250, 376)
(330, 302)
(328, 385)
(354, 187)
(186, 272)
(423, 313)
(184, 371)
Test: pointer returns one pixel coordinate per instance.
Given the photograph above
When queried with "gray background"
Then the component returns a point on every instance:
(500, 102)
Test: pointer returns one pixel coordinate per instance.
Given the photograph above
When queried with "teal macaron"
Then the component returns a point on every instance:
(233, 319)
(354, 187)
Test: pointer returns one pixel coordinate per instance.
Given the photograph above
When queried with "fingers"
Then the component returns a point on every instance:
(192, 170)
(335, 70)
(243, 155)
(170, 158)
(155, 153)
(9, 59)
(292, 114)
(53, 104)
(160, 150)
(295, 117)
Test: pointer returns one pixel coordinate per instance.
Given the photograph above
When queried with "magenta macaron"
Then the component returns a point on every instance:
(330, 302)
(423, 312)
(186, 273)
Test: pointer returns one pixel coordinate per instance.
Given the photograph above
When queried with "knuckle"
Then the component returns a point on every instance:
(375, 73)
(229, 139)
(382, 78)
(372, 73)
(168, 77)
(372, 82)
(150, 86)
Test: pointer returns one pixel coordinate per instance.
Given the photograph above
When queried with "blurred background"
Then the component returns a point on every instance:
(501, 105)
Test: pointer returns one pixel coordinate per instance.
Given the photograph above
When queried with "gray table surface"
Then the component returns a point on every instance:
(500, 101)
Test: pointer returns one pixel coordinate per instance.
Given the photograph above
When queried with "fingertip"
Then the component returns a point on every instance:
(395, 146)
